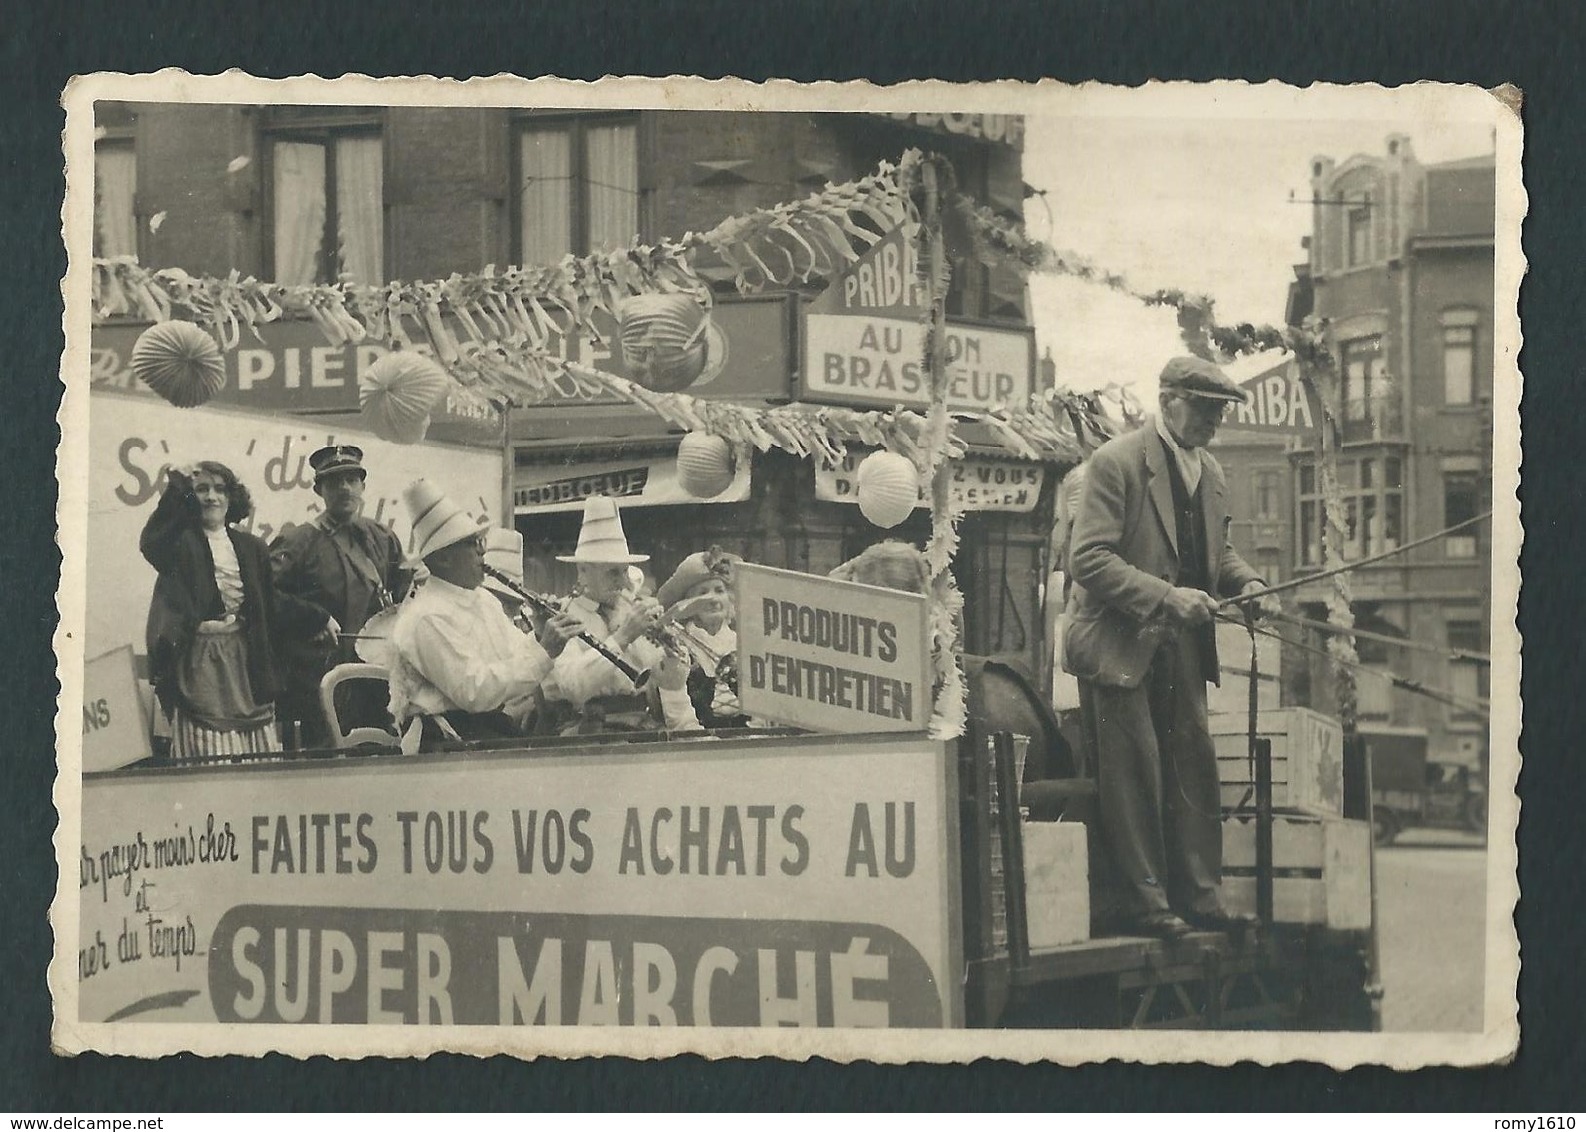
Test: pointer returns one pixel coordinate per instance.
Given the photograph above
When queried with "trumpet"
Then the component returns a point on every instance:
(548, 608)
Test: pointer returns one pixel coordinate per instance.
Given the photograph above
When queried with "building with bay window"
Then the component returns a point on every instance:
(1400, 266)
(304, 194)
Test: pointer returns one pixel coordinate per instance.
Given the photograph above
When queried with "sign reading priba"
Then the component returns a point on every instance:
(864, 340)
(1279, 402)
(631, 885)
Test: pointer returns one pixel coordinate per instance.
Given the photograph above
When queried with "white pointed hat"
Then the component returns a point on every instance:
(504, 552)
(437, 521)
(601, 538)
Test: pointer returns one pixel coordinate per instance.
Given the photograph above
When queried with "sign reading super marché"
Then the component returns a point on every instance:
(864, 341)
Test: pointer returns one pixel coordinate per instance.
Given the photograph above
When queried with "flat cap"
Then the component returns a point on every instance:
(1196, 377)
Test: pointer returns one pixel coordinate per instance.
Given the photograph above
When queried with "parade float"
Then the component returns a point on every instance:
(902, 849)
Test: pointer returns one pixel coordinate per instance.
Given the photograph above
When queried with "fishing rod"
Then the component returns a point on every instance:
(1478, 707)
(1295, 583)
(1384, 638)
(548, 608)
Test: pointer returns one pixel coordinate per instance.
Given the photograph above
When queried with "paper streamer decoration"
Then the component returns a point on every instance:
(398, 393)
(704, 465)
(669, 341)
(180, 362)
(888, 488)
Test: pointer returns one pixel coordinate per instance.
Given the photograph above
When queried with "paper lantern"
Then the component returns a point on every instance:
(888, 488)
(398, 393)
(704, 465)
(669, 342)
(180, 362)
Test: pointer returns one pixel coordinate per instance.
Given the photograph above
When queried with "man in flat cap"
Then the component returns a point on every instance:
(349, 566)
(1149, 557)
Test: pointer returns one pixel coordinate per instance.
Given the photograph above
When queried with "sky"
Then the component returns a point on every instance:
(1195, 197)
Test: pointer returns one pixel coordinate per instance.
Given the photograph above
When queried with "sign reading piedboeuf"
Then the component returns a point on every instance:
(766, 882)
(864, 341)
(835, 656)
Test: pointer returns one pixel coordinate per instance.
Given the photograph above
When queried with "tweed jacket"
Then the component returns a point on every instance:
(1124, 558)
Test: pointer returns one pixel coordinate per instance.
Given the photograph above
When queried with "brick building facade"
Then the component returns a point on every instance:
(302, 194)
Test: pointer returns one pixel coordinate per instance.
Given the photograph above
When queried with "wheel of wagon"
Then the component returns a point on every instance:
(1384, 825)
(1475, 813)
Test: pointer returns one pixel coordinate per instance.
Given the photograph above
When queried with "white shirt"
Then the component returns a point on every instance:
(228, 574)
(1188, 459)
(457, 649)
(582, 673)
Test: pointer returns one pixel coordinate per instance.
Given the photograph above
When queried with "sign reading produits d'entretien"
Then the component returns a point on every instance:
(835, 656)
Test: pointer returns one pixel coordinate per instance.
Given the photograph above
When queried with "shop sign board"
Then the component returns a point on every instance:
(1005, 128)
(831, 655)
(1279, 403)
(978, 483)
(864, 341)
(762, 882)
(641, 481)
(289, 367)
(115, 724)
(133, 440)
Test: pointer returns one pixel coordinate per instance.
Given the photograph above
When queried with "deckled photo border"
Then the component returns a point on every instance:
(1500, 1035)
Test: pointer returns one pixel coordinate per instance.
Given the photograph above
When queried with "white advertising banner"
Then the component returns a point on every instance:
(765, 882)
(115, 724)
(978, 484)
(134, 439)
(866, 360)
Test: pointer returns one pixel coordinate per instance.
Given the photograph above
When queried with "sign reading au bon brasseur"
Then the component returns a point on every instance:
(864, 341)
(835, 656)
(810, 886)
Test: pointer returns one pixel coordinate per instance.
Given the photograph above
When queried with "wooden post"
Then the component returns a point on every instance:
(509, 470)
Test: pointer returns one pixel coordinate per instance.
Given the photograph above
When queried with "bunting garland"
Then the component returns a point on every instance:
(500, 336)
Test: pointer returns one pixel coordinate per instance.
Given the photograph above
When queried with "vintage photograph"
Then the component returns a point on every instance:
(924, 572)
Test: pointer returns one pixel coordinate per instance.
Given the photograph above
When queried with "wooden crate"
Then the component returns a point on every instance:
(1233, 655)
(1056, 884)
(1321, 870)
(1307, 759)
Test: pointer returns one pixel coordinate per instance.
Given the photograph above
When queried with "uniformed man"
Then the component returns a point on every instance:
(351, 567)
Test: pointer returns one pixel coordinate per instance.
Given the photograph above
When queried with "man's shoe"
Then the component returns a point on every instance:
(1222, 920)
(1162, 925)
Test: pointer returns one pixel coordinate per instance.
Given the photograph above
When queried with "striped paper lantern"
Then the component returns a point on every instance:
(888, 488)
(665, 340)
(704, 465)
(180, 362)
(397, 394)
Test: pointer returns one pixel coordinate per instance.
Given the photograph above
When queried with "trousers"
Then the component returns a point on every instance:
(1156, 771)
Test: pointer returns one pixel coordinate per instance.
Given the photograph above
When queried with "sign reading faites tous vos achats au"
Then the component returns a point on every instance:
(778, 882)
(835, 656)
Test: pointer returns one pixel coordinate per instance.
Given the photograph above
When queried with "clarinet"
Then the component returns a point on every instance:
(548, 608)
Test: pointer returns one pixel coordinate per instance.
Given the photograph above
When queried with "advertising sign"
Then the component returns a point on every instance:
(132, 440)
(1005, 128)
(979, 483)
(1279, 403)
(835, 656)
(637, 482)
(115, 726)
(288, 368)
(864, 341)
(773, 882)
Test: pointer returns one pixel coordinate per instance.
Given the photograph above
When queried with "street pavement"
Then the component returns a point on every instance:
(1431, 908)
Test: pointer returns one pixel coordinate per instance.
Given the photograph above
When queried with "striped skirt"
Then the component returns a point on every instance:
(192, 741)
(216, 715)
